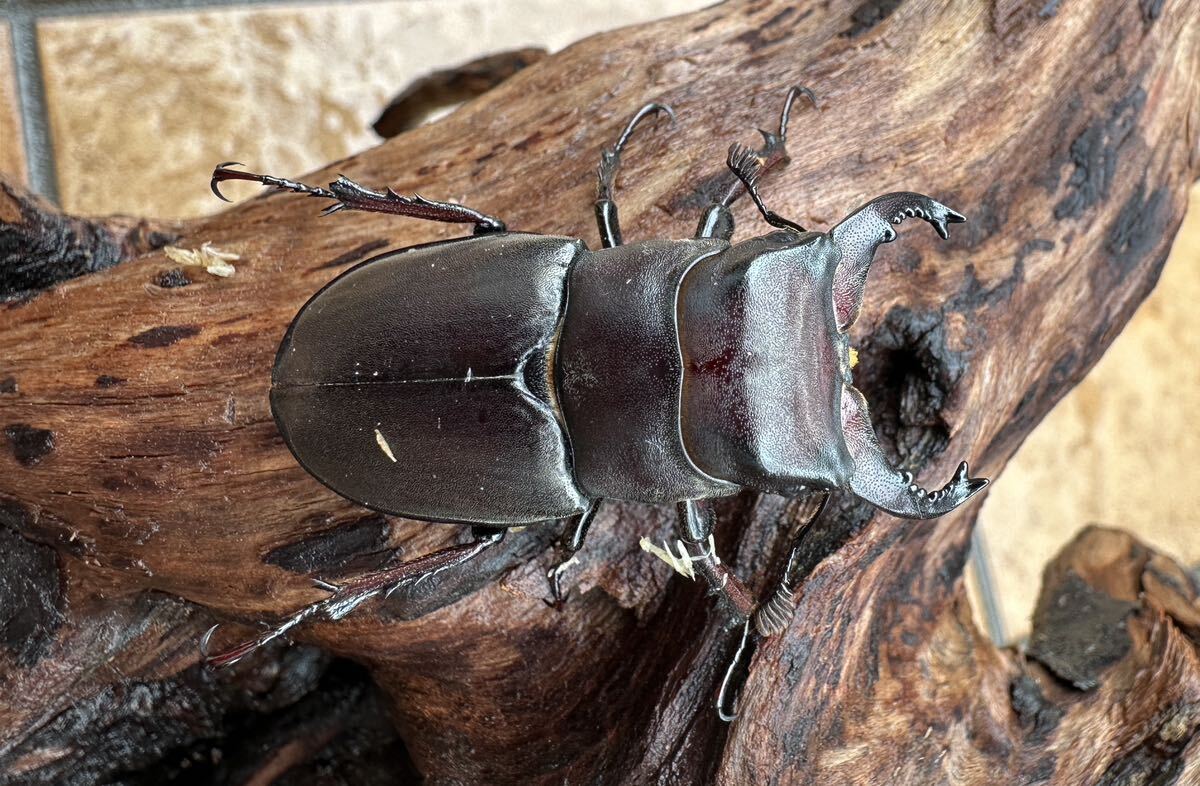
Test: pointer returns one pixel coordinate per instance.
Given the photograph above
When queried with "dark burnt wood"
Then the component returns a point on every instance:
(145, 490)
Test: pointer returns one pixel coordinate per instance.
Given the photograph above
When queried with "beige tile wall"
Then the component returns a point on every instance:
(141, 106)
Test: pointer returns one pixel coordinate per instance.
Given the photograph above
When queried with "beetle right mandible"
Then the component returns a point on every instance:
(512, 379)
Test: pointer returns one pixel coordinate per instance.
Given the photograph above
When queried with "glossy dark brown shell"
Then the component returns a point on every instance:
(436, 354)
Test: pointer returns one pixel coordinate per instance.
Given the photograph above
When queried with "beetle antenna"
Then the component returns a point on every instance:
(748, 165)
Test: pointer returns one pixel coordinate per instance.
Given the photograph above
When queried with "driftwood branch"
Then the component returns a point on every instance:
(146, 490)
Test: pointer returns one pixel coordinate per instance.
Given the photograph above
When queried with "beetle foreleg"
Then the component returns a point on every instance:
(607, 219)
(347, 597)
(747, 167)
(348, 195)
(696, 520)
(731, 683)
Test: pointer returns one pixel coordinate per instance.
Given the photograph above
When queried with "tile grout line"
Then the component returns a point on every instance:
(987, 587)
(77, 8)
(35, 116)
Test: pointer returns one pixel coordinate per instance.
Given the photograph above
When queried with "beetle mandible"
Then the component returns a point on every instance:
(660, 371)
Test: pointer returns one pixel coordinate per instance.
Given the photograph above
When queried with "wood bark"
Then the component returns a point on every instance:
(145, 491)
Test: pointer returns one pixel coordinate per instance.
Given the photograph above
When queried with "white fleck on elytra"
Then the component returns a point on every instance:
(384, 446)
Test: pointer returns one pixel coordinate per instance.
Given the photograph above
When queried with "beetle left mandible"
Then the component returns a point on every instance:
(678, 372)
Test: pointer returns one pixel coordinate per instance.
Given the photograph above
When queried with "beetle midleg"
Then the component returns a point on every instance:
(607, 219)
(345, 598)
(696, 520)
(746, 167)
(348, 195)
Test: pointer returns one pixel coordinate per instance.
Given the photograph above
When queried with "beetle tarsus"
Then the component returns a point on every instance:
(349, 195)
(223, 173)
(558, 595)
(610, 158)
(349, 596)
(607, 217)
(727, 695)
(574, 534)
(786, 114)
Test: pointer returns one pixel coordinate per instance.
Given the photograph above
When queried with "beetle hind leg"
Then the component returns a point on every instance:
(344, 598)
(607, 219)
(349, 195)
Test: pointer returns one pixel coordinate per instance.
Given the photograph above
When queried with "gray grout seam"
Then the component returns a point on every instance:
(52, 8)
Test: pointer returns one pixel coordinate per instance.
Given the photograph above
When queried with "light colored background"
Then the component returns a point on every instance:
(126, 110)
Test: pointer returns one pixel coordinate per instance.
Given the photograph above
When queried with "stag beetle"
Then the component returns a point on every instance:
(510, 379)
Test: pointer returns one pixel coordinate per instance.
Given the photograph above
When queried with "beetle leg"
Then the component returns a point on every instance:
(696, 520)
(607, 219)
(878, 482)
(735, 675)
(347, 597)
(747, 167)
(348, 195)
(771, 617)
(576, 531)
(862, 232)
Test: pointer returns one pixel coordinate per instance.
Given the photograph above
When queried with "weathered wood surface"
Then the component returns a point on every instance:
(145, 487)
